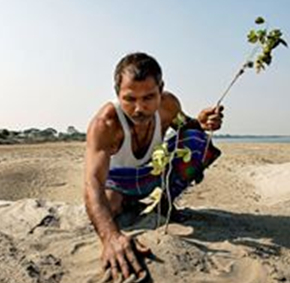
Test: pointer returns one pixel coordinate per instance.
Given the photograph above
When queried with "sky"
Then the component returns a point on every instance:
(57, 59)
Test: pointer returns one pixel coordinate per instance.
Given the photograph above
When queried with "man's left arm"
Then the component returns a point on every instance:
(209, 119)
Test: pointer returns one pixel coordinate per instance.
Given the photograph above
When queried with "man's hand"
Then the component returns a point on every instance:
(120, 254)
(210, 119)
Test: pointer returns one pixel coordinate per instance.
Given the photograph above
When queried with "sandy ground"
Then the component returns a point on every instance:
(237, 229)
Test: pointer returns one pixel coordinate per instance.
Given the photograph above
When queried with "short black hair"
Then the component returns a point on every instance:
(140, 66)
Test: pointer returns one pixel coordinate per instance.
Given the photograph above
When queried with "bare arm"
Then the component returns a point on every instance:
(207, 119)
(96, 170)
(118, 251)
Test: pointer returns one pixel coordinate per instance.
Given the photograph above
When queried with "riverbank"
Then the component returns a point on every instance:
(237, 228)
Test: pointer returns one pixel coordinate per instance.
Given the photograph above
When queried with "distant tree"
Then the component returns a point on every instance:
(71, 130)
(31, 131)
(4, 133)
(49, 132)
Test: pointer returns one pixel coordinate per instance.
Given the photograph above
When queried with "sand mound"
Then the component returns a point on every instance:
(230, 234)
(272, 182)
(49, 171)
(54, 242)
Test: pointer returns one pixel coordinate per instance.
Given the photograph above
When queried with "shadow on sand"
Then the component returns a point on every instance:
(213, 225)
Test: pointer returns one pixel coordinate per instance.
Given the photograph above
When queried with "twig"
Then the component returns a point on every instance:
(168, 182)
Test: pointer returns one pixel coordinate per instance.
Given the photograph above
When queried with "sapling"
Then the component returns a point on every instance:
(264, 41)
(261, 55)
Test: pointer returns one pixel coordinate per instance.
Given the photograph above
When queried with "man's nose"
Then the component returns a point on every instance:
(139, 106)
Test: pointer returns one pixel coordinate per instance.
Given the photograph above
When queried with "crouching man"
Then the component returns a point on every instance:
(120, 141)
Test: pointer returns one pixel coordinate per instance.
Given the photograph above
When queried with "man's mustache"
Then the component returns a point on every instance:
(140, 116)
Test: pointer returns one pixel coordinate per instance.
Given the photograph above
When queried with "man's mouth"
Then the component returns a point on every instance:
(140, 118)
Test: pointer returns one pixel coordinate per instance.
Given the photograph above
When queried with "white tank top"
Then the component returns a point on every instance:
(125, 156)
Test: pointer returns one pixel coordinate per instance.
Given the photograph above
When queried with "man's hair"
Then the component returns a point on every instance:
(140, 66)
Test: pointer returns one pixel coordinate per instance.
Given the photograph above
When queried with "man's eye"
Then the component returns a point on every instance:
(129, 99)
(149, 97)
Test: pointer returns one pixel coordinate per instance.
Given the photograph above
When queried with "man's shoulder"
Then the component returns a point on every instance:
(107, 112)
(105, 120)
(169, 108)
(170, 103)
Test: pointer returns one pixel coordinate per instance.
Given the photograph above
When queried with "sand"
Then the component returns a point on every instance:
(237, 229)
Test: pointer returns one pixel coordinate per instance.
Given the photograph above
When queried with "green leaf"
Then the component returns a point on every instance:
(259, 21)
(275, 33)
(160, 158)
(187, 157)
(266, 41)
(155, 196)
(180, 152)
(266, 58)
(261, 34)
(283, 42)
(156, 171)
(267, 49)
(252, 36)
(184, 153)
(166, 159)
(155, 163)
(179, 120)
(164, 147)
(273, 43)
(158, 153)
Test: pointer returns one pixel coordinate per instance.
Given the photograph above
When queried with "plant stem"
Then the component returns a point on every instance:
(234, 80)
(168, 180)
(159, 204)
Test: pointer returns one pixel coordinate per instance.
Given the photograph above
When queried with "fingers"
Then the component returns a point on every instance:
(105, 264)
(123, 264)
(124, 259)
(133, 261)
(214, 122)
(213, 126)
(214, 110)
(111, 270)
(215, 118)
(219, 109)
(212, 118)
(114, 269)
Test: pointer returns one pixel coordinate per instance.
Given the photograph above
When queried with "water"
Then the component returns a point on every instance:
(252, 139)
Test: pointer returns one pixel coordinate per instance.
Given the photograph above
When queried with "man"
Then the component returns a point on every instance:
(123, 134)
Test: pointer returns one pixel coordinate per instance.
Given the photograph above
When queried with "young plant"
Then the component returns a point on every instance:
(162, 165)
(267, 41)
(264, 41)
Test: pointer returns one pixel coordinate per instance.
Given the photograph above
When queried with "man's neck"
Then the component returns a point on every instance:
(139, 127)
(142, 127)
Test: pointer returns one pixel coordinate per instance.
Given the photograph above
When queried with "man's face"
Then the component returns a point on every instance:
(139, 99)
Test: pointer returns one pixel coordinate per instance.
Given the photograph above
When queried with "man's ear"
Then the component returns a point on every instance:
(161, 86)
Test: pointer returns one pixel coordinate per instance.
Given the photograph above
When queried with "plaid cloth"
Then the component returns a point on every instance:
(139, 182)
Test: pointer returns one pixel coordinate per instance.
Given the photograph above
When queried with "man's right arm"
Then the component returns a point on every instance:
(96, 170)
(117, 248)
